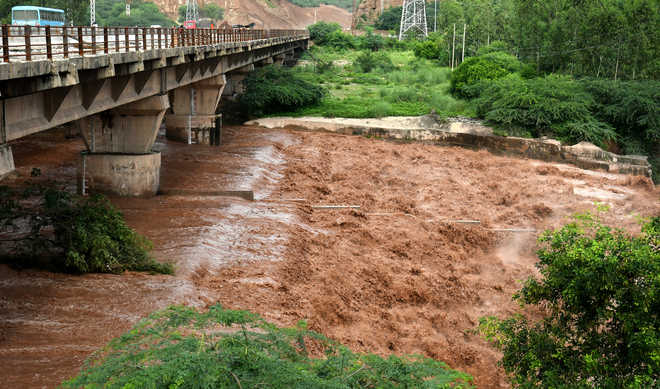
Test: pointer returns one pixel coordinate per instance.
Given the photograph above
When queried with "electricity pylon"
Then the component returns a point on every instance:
(92, 12)
(413, 18)
(191, 10)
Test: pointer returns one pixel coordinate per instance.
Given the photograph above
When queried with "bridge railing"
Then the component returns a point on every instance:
(30, 43)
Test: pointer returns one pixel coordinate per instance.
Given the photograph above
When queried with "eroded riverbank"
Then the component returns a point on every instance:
(395, 276)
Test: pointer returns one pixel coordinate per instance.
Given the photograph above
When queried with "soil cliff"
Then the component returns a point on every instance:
(269, 14)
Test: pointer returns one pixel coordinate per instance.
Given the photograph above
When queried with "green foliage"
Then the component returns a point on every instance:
(389, 20)
(486, 67)
(212, 11)
(340, 40)
(600, 288)
(493, 47)
(632, 107)
(434, 49)
(368, 61)
(371, 41)
(181, 348)
(75, 234)
(76, 11)
(318, 32)
(553, 105)
(383, 91)
(275, 89)
(143, 14)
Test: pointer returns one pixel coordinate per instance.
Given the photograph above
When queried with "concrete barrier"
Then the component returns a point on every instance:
(471, 134)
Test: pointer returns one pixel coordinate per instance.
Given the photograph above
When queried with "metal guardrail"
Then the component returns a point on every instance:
(30, 43)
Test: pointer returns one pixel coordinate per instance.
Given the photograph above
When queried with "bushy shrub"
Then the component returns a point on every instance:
(486, 67)
(493, 47)
(632, 107)
(600, 289)
(181, 348)
(371, 41)
(389, 19)
(554, 105)
(431, 49)
(71, 234)
(368, 61)
(275, 88)
(319, 32)
(340, 40)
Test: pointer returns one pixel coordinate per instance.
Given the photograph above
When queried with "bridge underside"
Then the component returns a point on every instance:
(120, 100)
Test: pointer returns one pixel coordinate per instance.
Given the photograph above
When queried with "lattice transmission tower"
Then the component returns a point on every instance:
(413, 18)
(192, 13)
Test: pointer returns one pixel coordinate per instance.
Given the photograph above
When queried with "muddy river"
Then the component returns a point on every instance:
(397, 275)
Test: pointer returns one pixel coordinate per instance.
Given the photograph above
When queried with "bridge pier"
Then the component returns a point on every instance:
(119, 159)
(6, 160)
(193, 117)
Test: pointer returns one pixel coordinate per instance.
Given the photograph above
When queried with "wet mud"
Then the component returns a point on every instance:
(398, 275)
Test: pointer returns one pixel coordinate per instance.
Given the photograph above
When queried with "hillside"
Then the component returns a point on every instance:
(268, 14)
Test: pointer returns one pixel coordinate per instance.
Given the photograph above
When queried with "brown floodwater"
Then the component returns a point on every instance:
(49, 323)
(399, 275)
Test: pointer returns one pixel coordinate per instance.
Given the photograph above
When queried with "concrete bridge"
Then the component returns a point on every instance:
(119, 84)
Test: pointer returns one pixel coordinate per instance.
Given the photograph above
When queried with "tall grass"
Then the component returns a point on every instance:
(414, 87)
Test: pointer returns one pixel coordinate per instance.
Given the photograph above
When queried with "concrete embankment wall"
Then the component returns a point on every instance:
(584, 155)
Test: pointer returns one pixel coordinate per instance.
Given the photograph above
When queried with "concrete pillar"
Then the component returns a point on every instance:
(193, 114)
(119, 159)
(6, 160)
(235, 79)
(279, 59)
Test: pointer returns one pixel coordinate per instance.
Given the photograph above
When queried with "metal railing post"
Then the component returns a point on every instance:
(93, 40)
(106, 44)
(127, 41)
(81, 48)
(49, 48)
(28, 43)
(65, 42)
(5, 43)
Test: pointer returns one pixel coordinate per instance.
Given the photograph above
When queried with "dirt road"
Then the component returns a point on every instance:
(397, 275)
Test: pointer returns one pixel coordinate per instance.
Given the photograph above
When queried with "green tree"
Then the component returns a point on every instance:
(600, 288)
(52, 228)
(275, 89)
(143, 14)
(212, 11)
(76, 11)
(319, 32)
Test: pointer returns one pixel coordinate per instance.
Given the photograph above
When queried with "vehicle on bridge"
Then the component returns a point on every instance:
(27, 15)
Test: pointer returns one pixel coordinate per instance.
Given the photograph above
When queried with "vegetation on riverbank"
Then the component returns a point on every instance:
(181, 348)
(46, 227)
(600, 289)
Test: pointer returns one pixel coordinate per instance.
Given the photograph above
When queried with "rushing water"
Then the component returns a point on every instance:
(49, 323)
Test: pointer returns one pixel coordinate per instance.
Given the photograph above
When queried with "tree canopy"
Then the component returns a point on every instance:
(600, 288)
(143, 14)
(599, 38)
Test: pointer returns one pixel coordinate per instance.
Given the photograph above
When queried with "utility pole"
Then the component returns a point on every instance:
(463, 55)
(453, 47)
(435, 16)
